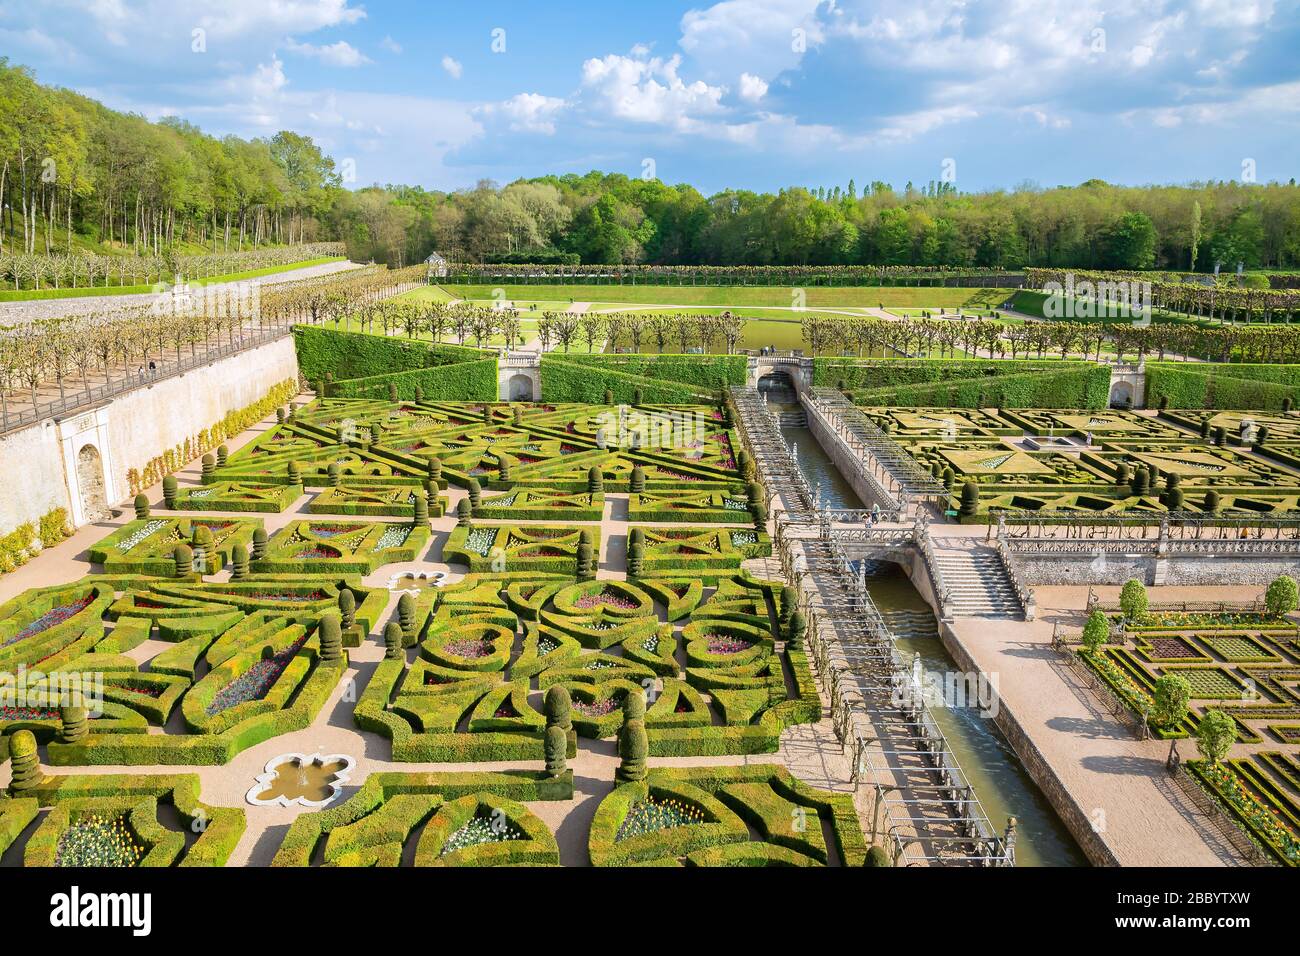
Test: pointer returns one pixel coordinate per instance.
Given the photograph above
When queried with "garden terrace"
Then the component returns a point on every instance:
(243, 664)
(322, 546)
(374, 501)
(1238, 660)
(708, 656)
(1104, 464)
(146, 546)
(237, 496)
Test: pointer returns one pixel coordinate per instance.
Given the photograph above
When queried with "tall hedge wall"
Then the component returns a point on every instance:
(352, 355)
(464, 382)
(969, 383)
(1222, 386)
(662, 379)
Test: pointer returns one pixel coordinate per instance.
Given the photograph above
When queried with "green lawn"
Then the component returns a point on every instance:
(28, 295)
(724, 296)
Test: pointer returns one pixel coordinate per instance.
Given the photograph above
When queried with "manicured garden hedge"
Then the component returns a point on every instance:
(566, 381)
(1222, 386)
(969, 383)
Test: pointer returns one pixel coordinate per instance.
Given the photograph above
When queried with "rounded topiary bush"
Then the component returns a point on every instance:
(558, 707)
(331, 638)
(238, 562)
(637, 484)
(259, 544)
(463, 512)
(595, 481)
(223, 454)
(74, 724)
(183, 557)
(876, 856)
(393, 641)
(25, 766)
(633, 748)
(169, 491)
(1213, 502)
(970, 499)
(347, 607)
(555, 745)
(141, 507)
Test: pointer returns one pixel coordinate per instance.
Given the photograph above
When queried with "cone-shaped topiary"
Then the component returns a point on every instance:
(25, 766)
(331, 638)
(74, 724)
(637, 485)
(633, 747)
(503, 467)
(392, 391)
(558, 707)
(141, 507)
(789, 601)
(475, 492)
(183, 556)
(259, 544)
(347, 607)
(595, 481)
(555, 746)
(970, 499)
(169, 491)
(238, 562)
(393, 641)
(419, 394)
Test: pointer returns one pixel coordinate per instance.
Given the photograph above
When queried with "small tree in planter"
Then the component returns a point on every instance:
(1095, 632)
(1215, 735)
(1133, 600)
(1281, 597)
(1169, 697)
(141, 507)
(169, 491)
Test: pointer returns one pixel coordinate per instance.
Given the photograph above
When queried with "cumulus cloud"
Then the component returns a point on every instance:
(525, 112)
(452, 67)
(752, 88)
(340, 53)
(647, 91)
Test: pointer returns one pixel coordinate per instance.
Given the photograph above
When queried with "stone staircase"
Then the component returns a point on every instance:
(976, 582)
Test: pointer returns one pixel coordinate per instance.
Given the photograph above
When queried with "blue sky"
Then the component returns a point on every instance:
(755, 94)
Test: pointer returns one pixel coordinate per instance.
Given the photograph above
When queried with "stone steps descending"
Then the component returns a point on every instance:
(977, 583)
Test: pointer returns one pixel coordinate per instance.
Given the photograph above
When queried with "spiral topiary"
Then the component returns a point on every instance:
(637, 484)
(586, 566)
(279, 415)
(475, 492)
(435, 469)
(141, 507)
(503, 466)
(334, 476)
(635, 558)
(74, 726)
(421, 508)
(169, 491)
(331, 638)
(223, 453)
(517, 414)
(376, 433)
(463, 512)
(558, 707)
(393, 641)
(555, 746)
(633, 748)
(209, 467)
(293, 473)
(970, 499)
(183, 556)
(347, 607)
(25, 766)
(238, 562)
(595, 481)
(259, 544)
(406, 614)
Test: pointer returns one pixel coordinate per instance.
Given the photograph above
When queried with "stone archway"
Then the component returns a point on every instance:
(520, 388)
(90, 484)
(1121, 395)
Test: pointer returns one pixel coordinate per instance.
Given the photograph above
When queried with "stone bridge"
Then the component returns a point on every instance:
(796, 368)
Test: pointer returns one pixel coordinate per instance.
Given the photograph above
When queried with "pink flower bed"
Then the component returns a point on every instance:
(596, 708)
(724, 644)
(472, 649)
(606, 598)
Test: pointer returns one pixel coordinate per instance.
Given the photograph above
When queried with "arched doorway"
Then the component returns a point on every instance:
(520, 388)
(1121, 395)
(90, 484)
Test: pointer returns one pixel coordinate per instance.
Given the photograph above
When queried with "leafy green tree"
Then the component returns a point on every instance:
(1215, 735)
(1281, 596)
(1133, 599)
(1095, 631)
(1170, 696)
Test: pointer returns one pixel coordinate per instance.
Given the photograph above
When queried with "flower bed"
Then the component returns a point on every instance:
(254, 683)
(98, 841)
(652, 815)
(481, 830)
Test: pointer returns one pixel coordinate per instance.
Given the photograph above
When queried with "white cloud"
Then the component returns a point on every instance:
(341, 53)
(752, 88)
(525, 112)
(391, 45)
(647, 91)
(453, 67)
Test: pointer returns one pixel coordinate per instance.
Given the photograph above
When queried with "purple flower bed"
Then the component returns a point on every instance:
(723, 644)
(312, 554)
(471, 649)
(596, 708)
(50, 618)
(254, 683)
(606, 598)
(332, 530)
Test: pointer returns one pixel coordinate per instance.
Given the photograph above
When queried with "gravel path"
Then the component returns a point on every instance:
(16, 313)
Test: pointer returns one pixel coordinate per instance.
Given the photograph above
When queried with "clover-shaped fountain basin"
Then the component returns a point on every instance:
(301, 780)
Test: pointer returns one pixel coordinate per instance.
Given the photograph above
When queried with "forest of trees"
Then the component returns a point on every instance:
(76, 174)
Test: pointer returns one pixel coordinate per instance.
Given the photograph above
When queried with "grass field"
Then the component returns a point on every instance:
(731, 296)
